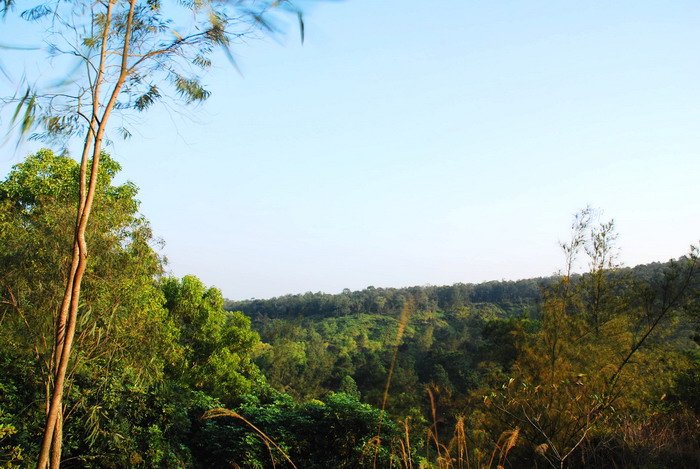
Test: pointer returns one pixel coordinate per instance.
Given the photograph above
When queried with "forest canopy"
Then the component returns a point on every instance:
(574, 370)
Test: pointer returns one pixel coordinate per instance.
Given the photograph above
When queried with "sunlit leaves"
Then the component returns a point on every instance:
(216, 33)
(124, 334)
(201, 61)
(91, 42)
(40, 175)
(190, 89)
(218, 345)
(61, 125)
(153, 4)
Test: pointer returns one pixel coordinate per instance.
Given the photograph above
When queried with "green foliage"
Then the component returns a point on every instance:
(687, 383)
(507, 297)
(599, 362)
(19, 389)
(136, 426)
(123, 330)
(308, 357)
(336, 432)
(38, 198)
(348, 386)
(217, 345)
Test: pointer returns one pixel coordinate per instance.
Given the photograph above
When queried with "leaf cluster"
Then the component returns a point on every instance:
(128, 55)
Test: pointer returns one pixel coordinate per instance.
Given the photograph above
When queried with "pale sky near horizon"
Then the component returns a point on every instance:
(408, 144)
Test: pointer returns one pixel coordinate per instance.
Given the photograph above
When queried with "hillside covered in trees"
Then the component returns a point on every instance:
(462, 341)
(598, 369)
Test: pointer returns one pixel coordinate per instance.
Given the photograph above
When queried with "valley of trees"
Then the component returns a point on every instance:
(592, 370)
(576, 370)
(108, 362)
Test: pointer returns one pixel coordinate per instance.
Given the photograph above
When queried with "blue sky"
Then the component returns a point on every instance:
(409, 143)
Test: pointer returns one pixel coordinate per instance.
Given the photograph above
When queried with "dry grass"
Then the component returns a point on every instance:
(456, 453)
(661, 435)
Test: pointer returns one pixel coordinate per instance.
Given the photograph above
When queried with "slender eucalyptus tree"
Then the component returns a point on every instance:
(130, 54)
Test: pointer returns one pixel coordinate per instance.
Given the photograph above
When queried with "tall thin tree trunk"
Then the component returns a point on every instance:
(66, 323)
(57, 441)
(52, 434)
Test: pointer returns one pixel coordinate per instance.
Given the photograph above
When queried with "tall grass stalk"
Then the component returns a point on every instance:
(403, 322)
(456, 454)
(214, 413)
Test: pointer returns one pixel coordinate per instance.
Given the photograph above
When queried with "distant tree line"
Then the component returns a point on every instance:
(507, 295)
